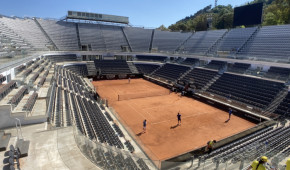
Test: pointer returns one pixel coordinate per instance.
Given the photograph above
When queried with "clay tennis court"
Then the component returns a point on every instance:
(164, 139)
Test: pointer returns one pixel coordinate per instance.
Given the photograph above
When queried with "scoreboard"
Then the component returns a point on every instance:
(97, 17)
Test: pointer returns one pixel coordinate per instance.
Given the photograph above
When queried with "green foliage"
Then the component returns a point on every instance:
(162, 28)
(275, 12)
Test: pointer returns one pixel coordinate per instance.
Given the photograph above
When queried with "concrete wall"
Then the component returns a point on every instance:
(7, 120)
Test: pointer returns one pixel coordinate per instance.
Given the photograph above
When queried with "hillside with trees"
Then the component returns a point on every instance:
(275, 12)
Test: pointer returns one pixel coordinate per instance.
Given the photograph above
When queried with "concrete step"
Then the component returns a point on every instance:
(4, 140)
(23, 147)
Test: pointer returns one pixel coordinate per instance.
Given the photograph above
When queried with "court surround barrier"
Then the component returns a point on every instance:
(108, 157)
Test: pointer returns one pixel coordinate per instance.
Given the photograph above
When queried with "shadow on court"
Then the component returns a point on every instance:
(141, 133)
(173, 127)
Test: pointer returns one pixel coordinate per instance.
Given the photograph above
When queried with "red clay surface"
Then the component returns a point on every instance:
(164, 139)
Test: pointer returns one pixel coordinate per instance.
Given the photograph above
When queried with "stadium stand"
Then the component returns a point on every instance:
(63, 34)
(190, 61)
(269, 42)
(252, 91)
(139, 38)
(278, 73)
(73, 103)
(92, 34)
(13, 40)
(18, 96)
(61, 58)
(166, 41)
(30, 102)
(201, 41)
(151, 58)
(170, 72)
(235, 38)
(113, 37)
(284, 106)
(80, 69)
(27, 29)
(112, 67)
(216, 65)
(253, 146)
(239, 68)
(2, 78)
(4, 90)
(199, 76)
(146, 68)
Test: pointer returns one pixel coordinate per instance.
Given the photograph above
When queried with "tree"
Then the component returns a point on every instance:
(162, 28)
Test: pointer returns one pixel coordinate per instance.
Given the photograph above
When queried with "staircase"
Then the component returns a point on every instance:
(92, 71)
(133, 68)
(151, 42)
(182, 44)
(277, 100)
(211, 82)
(157, 69)
(184, 74)
(213, 48)
(248, 41)
(78, 36)
(127, 40)
(46, 35)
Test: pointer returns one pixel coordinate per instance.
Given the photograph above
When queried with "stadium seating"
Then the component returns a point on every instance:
(28, 30)
(284, 106)
(62, 58)
(34, 77)
(19, 69)
(138, 38)
(30, 102)
(171, 72)
(268, 142)
(11, 38)
(252, 91)
(151, 58)
(113, 37)
(80, 69)
(112, 67)
(18, 96)
(166, 41)
(199, 76)
(27, 72)
(88, 116)
(190, 61)
(239, 68)
(4, 90)
(63, 34)
(270, 42)
(102, 37)
(92, 34)
(235, 38)
(2, 78)
(216, 65)
(278, 73)
(146, 68)
(201, 41)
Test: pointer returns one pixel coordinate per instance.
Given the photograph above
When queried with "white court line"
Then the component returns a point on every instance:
(175, 119)
(136, 111)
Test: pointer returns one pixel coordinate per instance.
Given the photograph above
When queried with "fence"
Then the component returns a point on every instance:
(108, 157)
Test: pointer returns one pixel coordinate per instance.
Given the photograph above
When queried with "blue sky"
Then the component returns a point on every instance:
(147, 13)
